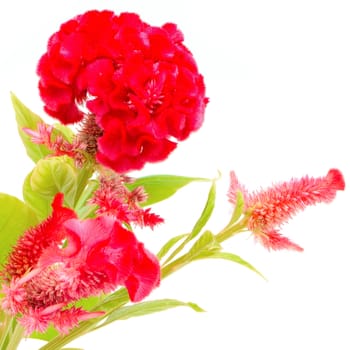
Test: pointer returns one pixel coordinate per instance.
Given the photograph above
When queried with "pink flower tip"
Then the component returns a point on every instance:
(336, 178)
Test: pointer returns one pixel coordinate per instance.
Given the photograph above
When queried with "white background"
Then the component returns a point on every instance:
(278, 78)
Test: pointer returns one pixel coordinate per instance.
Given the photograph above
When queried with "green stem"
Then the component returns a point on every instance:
(11, 333)
(16, 337)
(230, 231)
(4, 330)
(89, 325)
(60, 341)
(175, 265)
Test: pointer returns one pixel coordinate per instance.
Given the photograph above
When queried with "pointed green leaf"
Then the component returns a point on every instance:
(83, 176)
(168, 245)
(64, 131)
(146, 308)
(15, 218)
(207, 211)
(201, 222)
(83, 208)
(49, 334)
(114, 300)
(238, 211)
(227, 256)
(27, 119)
(205, 243)
(161, 187)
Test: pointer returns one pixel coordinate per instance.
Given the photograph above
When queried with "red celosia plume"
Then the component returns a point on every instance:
(268, 209)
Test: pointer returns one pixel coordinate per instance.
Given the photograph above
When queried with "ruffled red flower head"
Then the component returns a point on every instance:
(64, 259)
(139, 82)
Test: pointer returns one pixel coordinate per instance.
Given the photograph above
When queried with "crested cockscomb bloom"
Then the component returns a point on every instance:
(64, 259)
(268, 209)
(114, 198)
(138, 85)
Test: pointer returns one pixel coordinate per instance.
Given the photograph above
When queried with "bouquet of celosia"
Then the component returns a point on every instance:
(70, 262)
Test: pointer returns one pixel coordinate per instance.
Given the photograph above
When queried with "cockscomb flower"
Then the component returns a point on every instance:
(138, 84)
(114, 198)
(65, 259)
(268, 209)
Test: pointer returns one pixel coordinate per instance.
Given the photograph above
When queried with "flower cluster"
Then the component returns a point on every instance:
(64, 259)
(139, 83)
(113, 198)
(69, 253)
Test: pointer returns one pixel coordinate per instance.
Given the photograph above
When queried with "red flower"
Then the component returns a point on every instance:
(113, 198)
(65, 259)
(139, 81)
(31, 245)
(267, 210)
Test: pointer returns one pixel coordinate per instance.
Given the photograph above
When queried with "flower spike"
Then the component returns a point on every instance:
(268, 209)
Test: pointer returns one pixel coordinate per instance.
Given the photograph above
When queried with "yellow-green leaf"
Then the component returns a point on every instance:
(161, 187)
(170, 244)
(27, 119)
(83, 208)
(146, 308)
(205, 243)
(237, 213)
(49, 334)
(206, 213)
(15, 218)
(201, 222)
(227, 256)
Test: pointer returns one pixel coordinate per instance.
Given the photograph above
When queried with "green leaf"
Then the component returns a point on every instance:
(82, 208)
(237, 213)
(15, 218)
(64, 131)
(161, 187)
(146, 308)
(168, 245)
(53, 175)
(227, 256)
(27, 119)
(89, 303)
(204, 246)
(201, 222)
(205, 243)
(49, 334)
(82, 180)
(206, 213)
(114, 300)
